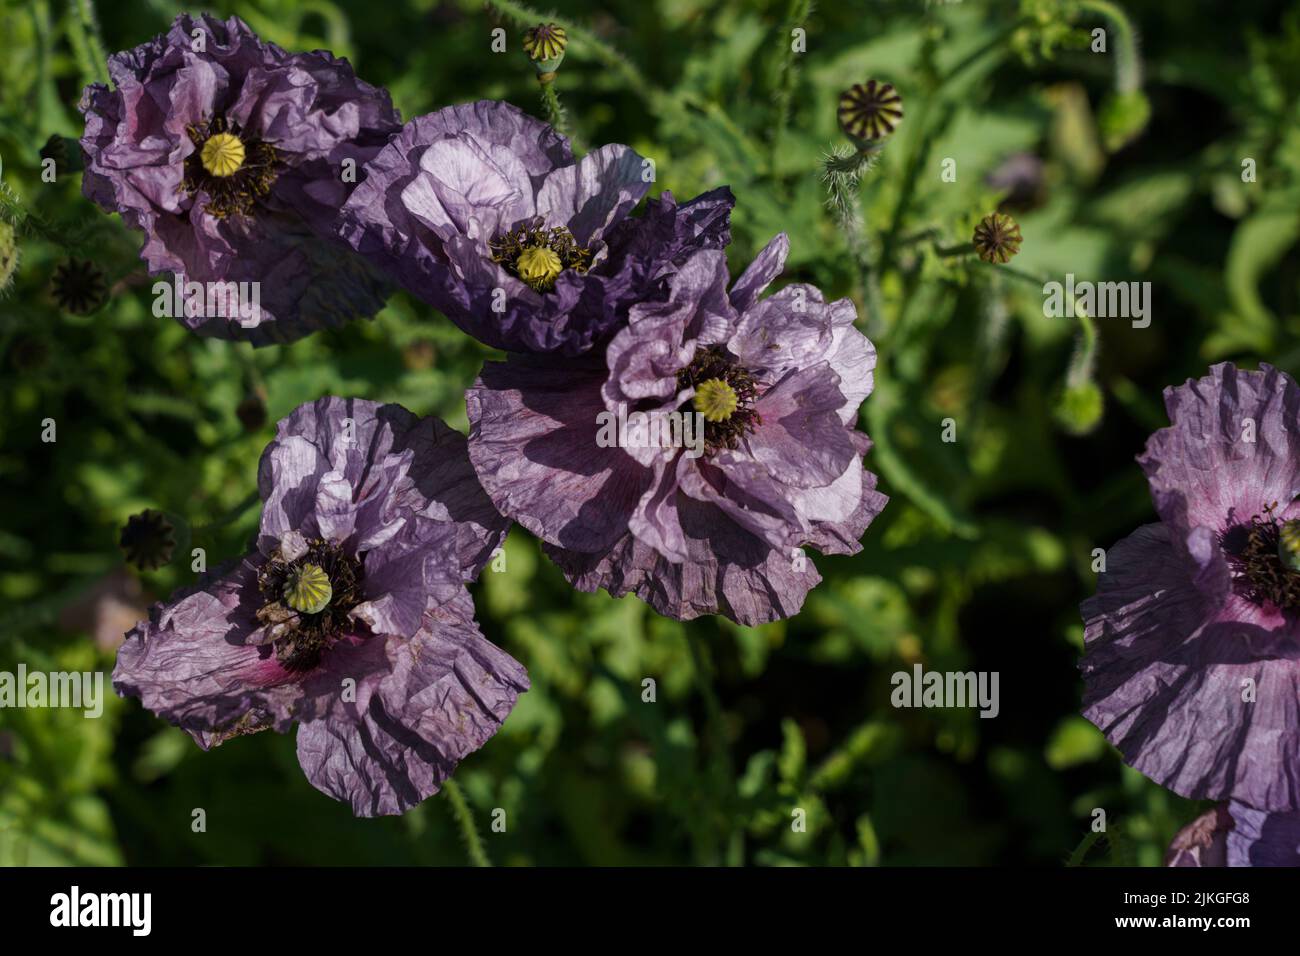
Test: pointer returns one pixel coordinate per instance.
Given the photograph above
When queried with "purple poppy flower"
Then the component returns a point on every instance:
(231, 156)
(692, 459)
(1192, 658)
(350, 617)
(482, 211)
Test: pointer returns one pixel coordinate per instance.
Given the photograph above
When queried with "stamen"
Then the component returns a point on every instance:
(725, 394)
(308, 601)
(235, 170)
(1263, 557)
(537, 255)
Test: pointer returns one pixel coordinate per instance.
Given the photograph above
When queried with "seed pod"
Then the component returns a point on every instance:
(870, 111)
(997, 238)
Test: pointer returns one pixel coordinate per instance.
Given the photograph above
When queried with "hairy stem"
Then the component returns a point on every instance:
(465, 822)
(526, 16)
(89, 27)
(555, 114)
(787, 72)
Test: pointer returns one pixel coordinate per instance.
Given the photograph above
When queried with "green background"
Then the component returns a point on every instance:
(978, 562)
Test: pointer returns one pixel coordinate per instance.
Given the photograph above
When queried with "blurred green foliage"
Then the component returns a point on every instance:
(978, 562)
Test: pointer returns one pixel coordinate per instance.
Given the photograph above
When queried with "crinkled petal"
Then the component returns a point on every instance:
(1199, 697)
(758, 275)
(533, 442)
(442, 695)
(392, 463)
(1205, 469)
(292, 273)
(190, 665)
(1259, 838)
(727, 571)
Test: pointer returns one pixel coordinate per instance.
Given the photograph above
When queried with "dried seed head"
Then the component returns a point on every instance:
(148, 540)
(870, 111)
(997, 238)
(79, 287)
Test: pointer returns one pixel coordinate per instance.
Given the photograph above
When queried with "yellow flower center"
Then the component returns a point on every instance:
(715, 400)
(222, 154)
(539, 266)
(307, 589)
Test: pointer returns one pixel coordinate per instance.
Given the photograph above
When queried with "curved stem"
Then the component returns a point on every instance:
(800, 11)
(1084, 360)
(1128, 64)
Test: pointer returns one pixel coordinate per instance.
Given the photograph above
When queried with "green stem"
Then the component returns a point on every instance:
(465, 822)
(526, 16)
(555, 114)
(18, 215)
(85, 12)
(842, 174)
(998, 44)
(800, 11)
(961, 249)
(1083, 362)
(721, 767)
(230, 517)
(1128, 63)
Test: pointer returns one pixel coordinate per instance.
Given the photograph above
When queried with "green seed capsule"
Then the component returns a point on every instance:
(1288, 545)
(308, 589)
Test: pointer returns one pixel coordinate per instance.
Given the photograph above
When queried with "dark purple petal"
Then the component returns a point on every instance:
(727, 571)
(352, 618)
(190, 665)
(434, 700)
(394, 463)
(713, 527)
(1259, 838)
(452, 182)
(533, 428)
